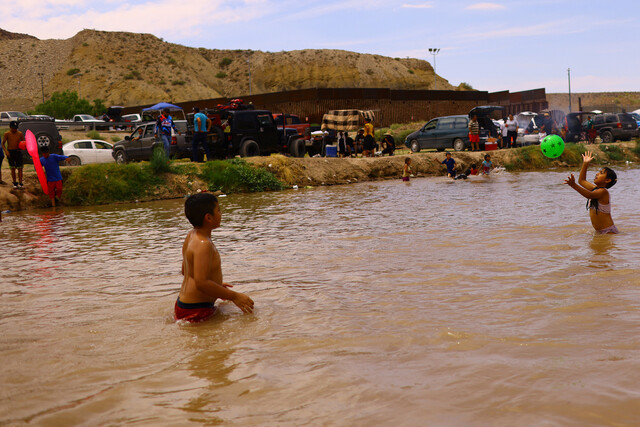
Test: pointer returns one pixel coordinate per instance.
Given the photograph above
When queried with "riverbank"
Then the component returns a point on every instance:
(102, 184)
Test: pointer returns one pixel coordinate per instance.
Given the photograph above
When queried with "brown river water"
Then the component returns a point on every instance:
(435, 302)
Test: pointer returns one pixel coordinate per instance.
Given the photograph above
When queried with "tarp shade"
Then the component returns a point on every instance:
(345, 120)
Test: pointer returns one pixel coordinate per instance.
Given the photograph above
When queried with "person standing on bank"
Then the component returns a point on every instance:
(369, 139)
(474, 133)
(201, 127)
(512, 131)
(163, 129)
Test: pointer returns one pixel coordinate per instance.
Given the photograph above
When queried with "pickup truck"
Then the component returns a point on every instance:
(142, 141)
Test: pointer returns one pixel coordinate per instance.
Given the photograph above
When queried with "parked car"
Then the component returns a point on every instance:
(142, 141)
(441, 133)
(85, 151)
(91, 121)
(453, 131)
(8, 116)
(636, 117)
(615, 126)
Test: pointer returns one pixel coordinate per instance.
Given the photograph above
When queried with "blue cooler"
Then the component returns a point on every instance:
(331, 151)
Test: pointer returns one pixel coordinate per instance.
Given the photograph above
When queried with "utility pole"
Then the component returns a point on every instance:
(249, 66)
(41, 75)
(569, 76)
(434, 51)
(78, 75)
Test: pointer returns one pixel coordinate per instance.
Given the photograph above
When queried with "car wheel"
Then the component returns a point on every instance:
(607, 137)
(74, 161)
(249, 148)
(297, 147)
(415, 146)
(121, 158)
(44, 140)
(458, 144)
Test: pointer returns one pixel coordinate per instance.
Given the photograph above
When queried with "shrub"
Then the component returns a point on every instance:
(614, 152)
(172, 61)
(225, 62)
(237, 175)
(94, 134)
(410, 71)
(221, 75)
(72, 71)
(178, 82)
(159, 163)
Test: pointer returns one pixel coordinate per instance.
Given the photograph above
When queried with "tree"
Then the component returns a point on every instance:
(64, 105)
(98, 108)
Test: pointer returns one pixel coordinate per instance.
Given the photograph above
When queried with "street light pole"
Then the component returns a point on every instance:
(78, 75)
(434, 51)
(569, 76)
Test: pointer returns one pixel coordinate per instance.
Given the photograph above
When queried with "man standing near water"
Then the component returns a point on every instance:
(201, 127)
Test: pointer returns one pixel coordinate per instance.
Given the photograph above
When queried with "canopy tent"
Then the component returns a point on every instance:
(161, 106)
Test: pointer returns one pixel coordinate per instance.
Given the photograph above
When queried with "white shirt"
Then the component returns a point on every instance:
(512, 125)
(503, 128)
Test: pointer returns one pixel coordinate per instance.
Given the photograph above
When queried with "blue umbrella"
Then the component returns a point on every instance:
(162, 106)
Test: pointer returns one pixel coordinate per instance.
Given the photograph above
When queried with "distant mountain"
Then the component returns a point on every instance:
(131, 69)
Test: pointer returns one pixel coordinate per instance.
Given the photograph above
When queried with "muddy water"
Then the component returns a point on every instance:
(485, 302)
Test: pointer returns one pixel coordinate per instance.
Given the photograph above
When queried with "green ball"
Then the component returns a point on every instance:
(552, 146)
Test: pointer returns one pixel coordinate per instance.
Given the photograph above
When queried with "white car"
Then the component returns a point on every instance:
(84, 151)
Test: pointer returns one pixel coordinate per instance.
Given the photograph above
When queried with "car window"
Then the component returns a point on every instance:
(461, 123)
(431, 125)
(149, 131)
(265, 120)
(611, 118)
(102, 145)
(446, 123)
(598, 120)
(244, 121)
(82, 144)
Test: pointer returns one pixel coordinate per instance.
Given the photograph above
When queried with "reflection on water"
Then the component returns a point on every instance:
(438, 302)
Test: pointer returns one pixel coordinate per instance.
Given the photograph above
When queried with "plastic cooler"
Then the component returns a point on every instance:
(491, 144)
(331, 151)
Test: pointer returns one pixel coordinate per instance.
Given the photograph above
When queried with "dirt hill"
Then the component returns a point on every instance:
(605, 101)
(131, 69)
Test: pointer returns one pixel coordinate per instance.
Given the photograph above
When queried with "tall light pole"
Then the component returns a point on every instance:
(569, 76)
(434, 51)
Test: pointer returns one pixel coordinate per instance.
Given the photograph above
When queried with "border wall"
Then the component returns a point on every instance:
(390, 105)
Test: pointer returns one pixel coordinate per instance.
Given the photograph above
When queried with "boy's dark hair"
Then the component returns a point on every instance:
(13, 124)
(487, 155)
(198, 205)
(610, 175)
(44, 149)
(407, 159)
(473, 165)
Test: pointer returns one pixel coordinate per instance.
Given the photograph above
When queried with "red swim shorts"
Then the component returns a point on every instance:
(196, 312)
(55, 189)
(474, 137)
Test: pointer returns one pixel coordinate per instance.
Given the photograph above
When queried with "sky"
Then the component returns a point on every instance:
(500, 45)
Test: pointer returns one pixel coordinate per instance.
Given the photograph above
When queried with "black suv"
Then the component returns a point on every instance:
(253, 133)
(45, 131)
(615, 126)
(142, 141)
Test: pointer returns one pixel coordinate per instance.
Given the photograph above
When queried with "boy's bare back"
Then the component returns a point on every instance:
(198, 251)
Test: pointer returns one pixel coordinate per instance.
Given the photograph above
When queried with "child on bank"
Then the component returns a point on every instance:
(201, 266)
(406, 173)
(599, 201)
(51, 165)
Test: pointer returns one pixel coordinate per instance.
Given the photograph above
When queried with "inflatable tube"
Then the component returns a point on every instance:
(32, 149)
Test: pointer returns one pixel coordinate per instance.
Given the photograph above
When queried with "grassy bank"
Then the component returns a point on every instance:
(158, 179)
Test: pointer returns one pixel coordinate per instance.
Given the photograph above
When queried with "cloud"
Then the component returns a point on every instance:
(427, 5)
(485, 6)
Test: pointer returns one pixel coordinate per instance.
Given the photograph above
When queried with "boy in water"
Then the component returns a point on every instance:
(201, 266)
(599, 201)
(451, 165)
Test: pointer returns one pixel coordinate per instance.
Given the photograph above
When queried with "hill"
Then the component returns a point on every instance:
(124, 68)
(605, 101)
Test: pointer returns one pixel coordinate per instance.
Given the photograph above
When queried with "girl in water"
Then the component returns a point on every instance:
(598, 203)
(406, 173)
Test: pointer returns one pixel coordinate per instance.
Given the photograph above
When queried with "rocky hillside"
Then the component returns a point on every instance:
(606, 101)
(131, 69)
